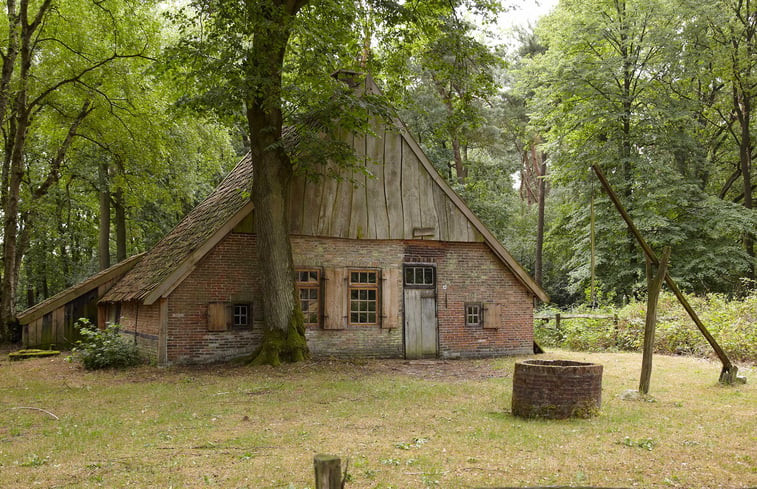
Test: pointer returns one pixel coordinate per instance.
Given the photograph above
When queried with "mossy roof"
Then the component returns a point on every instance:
(194, 231)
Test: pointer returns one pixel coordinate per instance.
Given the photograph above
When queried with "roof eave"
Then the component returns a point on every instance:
(63, 297)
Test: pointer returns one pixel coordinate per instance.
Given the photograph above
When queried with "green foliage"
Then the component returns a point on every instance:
(630, 86)
(104, 348)
(730, 321)
(643, 443)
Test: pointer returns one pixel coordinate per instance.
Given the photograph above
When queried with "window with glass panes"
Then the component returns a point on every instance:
(309, 291)
(473, 314)
(419, 276)
(241, 315)
(364, 296)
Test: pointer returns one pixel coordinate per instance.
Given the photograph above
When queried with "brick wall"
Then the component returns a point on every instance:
(470, 271)
(141, 324)
(556, 389)
(226, 274)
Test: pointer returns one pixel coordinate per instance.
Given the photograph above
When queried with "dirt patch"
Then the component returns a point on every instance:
(446, 370)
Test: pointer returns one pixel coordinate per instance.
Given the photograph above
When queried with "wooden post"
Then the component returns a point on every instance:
(729, 372)
(557, 321)
(654, 285)
(328, 471)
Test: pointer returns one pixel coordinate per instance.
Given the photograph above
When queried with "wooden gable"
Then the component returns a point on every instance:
(399, 199)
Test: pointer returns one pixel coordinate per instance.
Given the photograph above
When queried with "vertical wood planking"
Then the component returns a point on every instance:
(457, 230)
(359, 218)
(428, 327)
(335, 298)
(59, 324)
(426, 188)
(493, 315)
(340, 220)
(378, 215)
(296, 198)
(393, 183)
(390, 298)
(311, 206)
(329, 194)
(410, 189)
(440, 204)
(217, 316)
(412, 322)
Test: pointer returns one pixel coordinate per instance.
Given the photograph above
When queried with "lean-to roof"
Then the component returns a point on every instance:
(71, 293)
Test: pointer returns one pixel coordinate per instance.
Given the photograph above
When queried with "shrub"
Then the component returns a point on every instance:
(104, 348)
(731, 322)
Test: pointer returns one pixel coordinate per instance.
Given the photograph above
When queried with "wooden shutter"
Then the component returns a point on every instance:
(335, 298)
(493, 315)
(220, 316)
(390, 298)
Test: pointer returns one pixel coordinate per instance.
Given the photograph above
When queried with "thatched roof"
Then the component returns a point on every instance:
(189, 236)
(65, 296)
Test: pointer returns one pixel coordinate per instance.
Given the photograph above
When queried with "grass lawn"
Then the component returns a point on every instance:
(401, 424)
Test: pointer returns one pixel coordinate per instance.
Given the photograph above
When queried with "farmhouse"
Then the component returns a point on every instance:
(389, 263)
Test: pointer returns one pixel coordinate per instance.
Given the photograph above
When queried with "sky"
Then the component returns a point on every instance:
(525, 12)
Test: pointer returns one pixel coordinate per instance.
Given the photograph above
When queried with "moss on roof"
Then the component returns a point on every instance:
(192, 232)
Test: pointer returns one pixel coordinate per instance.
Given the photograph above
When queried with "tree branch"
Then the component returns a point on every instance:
(78, 77)
(55, 164)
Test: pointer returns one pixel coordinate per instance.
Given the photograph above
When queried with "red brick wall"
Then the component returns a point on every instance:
(141, 323)
(470, 271)
(226, 274)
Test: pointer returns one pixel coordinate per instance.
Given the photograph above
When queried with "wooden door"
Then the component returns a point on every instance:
(420, 323)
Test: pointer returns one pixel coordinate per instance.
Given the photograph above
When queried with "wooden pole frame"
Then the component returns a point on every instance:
(729, 372)
(654, 286)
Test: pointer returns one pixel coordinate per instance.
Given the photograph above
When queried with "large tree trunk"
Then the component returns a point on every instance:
(284, 334)
(103, 241)
(120, 208)
(743, 107)
(10, 217)
(542, 194)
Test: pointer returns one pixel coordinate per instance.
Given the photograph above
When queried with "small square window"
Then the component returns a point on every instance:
(241, 315)
(473, 314)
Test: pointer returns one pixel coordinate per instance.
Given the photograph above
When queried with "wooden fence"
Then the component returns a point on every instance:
(558, 317)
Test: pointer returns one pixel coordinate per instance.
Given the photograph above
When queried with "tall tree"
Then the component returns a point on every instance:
(445, 59)
(50, 73)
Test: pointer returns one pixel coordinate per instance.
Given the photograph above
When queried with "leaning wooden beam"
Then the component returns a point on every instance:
(654, 286)
(728, 375)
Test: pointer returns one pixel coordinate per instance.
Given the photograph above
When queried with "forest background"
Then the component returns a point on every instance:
(107, 141)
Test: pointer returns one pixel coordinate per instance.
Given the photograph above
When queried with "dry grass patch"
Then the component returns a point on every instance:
(401, 424)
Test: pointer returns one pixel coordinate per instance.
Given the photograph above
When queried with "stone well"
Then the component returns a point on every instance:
(556, 389)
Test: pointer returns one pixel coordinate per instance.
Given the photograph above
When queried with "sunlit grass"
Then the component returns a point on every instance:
(400, 425)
